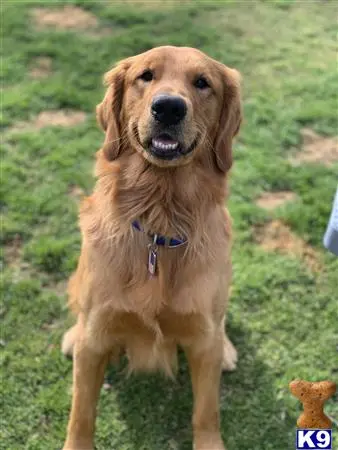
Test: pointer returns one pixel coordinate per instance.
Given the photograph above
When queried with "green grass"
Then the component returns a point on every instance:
(282, 318)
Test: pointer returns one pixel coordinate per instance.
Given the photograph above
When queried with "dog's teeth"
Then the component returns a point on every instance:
(164, 146)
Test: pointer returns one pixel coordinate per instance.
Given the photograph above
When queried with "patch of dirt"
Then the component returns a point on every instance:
(157, 3)
(42, 67)
(55, 325)
(76, 192)
(68, 17)
(276, 236)
(316, 149)
(60, 288)
(60, 118)
(13, 256)
(102, 32)
(271, 200)
(13, 252)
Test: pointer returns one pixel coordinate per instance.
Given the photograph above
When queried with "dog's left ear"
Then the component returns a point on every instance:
(109, 111)
(230, 118)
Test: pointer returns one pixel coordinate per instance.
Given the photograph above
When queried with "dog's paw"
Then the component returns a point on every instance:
(208, 441)
(77, 447)
(229, 356)
(219, 446)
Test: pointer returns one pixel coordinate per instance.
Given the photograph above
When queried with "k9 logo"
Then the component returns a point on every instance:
(314, 439)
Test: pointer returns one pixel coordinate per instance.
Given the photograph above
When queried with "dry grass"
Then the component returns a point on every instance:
(68, 17)
(41, 68)
(316, 149)
(13, 252)
(76, 192)
(272, 200)
(60, 118)
(276, 236)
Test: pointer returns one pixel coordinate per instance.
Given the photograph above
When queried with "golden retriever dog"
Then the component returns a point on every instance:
(154, 270)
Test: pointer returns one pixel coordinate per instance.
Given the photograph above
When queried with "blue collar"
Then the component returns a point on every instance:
(158, 239)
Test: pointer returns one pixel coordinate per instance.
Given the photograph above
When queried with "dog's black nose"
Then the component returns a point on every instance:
(168, 109)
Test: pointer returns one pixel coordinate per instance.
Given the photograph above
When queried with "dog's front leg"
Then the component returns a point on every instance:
(205, 368)
(88, 373)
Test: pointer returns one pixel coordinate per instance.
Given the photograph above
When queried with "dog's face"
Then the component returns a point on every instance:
(170, 103)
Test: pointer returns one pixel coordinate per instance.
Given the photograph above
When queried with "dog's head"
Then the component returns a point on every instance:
(170, 103)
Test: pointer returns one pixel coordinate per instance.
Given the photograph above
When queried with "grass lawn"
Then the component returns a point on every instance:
(283, 311)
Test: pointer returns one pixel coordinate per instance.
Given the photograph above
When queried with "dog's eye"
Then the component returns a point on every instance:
(147, 76)
(201, 83)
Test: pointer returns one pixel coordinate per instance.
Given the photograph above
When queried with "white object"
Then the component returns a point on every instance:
(331, 234)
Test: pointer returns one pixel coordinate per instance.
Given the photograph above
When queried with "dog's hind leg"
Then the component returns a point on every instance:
(229, 362)
(69, 339)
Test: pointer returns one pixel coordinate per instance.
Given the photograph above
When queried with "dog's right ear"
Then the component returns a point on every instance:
(230, 119)
(108, 112)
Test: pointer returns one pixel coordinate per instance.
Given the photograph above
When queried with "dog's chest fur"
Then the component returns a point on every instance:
(124, 305)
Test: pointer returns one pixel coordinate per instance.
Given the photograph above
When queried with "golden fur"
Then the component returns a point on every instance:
(119, 307)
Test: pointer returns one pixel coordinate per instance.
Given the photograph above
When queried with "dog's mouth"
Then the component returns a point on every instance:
(165, 147)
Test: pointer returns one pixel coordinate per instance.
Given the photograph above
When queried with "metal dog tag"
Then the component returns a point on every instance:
(152, 259)
(152, 256)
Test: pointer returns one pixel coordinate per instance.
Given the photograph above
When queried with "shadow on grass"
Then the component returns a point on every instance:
(157, 412)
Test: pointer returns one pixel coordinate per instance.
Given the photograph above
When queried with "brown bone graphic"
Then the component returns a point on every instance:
(313, 396)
